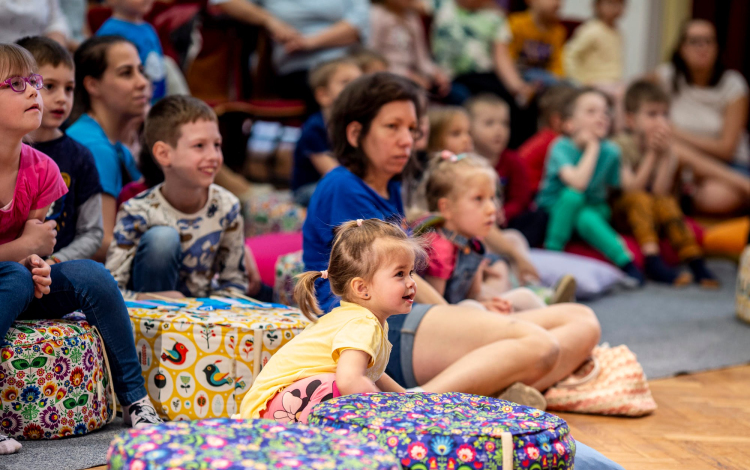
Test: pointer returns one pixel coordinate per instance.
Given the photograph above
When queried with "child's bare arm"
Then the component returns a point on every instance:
(37, 238)
(427, 294)
(387, 384)
(323, 162)
(350, 373)
(437, 283)
(638, 180)
(579, 176)
(666, 169)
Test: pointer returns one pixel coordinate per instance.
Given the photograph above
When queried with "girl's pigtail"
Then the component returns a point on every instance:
(304, 294)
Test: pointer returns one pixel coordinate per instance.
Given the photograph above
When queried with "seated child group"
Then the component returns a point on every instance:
(450, 220)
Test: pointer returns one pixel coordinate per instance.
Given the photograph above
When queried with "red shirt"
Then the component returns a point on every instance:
(533, 153)
(38, 185)
(514, 181)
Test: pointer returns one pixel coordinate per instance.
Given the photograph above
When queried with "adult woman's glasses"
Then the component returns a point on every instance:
(18, 84)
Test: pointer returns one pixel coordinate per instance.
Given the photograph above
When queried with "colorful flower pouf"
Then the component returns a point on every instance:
(287, 268)
(54, 380)
(453, 430)
(244, 444)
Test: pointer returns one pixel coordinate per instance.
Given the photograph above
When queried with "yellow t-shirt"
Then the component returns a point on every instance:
(317, 350)
(533, 48)
(593, 55)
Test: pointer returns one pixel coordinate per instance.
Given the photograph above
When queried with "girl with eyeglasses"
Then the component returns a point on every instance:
(29, 288)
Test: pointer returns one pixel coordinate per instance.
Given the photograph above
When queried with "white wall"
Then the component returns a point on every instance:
(640, 27)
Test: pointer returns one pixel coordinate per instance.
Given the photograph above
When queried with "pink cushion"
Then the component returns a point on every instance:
(667, 252)
(268, 248)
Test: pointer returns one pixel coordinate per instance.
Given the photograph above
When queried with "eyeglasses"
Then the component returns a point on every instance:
(696, 41)
(18, 84)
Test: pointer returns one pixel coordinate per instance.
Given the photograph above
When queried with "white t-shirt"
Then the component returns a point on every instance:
(700, 110)
(20, 18)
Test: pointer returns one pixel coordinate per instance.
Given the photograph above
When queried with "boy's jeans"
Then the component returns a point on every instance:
(157, 261)
(86, 286)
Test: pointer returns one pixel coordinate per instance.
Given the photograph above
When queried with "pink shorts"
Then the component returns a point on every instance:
(294, 403)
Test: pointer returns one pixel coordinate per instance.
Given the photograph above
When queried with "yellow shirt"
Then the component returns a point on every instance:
(533, 48)
(317, 350)
(593, 56)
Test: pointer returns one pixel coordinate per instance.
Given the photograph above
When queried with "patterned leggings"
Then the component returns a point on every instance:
(647, 216)
(294, 403)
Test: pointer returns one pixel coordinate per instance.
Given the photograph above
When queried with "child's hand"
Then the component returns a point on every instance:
(442, 82)
(660, 139)
(40, 274)
(585, 138)
(41, 236)
(498, 305)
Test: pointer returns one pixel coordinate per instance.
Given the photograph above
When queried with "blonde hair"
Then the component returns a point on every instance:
(321, 74)
(440, 119)
(15, 60)
(359, 247)
(488, 99)
(446, 172)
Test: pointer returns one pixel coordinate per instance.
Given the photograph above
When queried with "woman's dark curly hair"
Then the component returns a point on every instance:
(360, 102)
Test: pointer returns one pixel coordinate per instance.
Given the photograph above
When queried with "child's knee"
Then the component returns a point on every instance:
(19, 277)
(161, 243)
(548, 353)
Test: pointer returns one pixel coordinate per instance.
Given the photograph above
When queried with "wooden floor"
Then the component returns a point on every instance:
(703, 422)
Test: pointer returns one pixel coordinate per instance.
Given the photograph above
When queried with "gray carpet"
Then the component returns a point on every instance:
(72, 453)
(675, 331)
(672, 331)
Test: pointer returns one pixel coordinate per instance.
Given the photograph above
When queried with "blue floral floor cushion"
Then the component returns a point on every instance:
(230, 444)
(453, 430)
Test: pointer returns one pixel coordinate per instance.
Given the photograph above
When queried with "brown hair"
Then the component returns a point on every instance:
(445, 174)
(440, 118)
(569, 107)
(363, 57)
(15, 60)
(165, 120)
(644, 91)
(681, 68)
(488, 99)
(553, 101)
(320, 75)
(91, 61)
(358, 250)
(47, 51)
(360, 102)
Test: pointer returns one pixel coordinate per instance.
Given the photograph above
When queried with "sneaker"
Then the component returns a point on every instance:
(564, 290)
(141, 414)
(8, 445)
(524, 395)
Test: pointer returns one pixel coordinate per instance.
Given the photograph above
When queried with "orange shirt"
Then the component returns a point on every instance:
(532, 47)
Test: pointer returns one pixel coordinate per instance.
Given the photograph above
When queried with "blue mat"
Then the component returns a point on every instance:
(677, 331)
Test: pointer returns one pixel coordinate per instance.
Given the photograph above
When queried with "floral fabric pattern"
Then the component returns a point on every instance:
(244, 444)
(273, 212)
(53, 380)
(200, 356)
(287, 267)
(453, 430)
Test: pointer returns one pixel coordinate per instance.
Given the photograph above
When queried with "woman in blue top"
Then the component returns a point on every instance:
(437, 346)
(111, 93)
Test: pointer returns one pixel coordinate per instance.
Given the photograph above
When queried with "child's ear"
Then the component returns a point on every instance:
(630, 120)
(443, 206)
(162, 153)
(353, 129)
(359, 288)
(322, 97)
(91, 85)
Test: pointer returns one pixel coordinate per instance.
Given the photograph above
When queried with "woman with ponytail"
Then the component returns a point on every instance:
(371, 268)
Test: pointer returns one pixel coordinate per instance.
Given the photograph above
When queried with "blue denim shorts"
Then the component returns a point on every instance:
(401, 332)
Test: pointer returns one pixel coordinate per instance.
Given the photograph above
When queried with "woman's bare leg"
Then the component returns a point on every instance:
(577, 331)
(705, 166)
(712, 196)
(458, 349)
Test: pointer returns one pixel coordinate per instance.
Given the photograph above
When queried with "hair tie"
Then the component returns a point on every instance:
(359, 222)
(452, 157)
(324, 274)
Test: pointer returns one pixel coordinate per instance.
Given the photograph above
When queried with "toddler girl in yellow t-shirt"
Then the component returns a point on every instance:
(345, 351)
